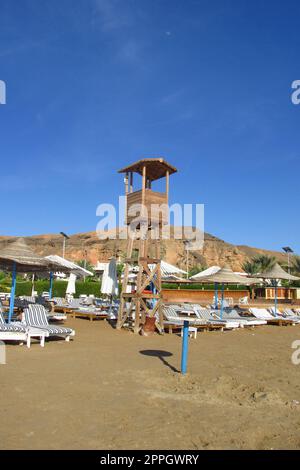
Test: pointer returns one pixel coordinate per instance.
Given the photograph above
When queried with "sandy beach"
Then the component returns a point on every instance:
(111, 389)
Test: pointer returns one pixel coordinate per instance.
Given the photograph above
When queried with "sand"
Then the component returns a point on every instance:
(101, 392)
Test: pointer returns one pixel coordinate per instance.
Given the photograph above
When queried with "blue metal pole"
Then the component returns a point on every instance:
(216, 295)
(222, 302)
(12, 292)
(275, 298)
(185, 347)
(153, 289)
(51, 286)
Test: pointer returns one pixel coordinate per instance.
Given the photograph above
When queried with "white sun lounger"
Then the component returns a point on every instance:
(36, 316)
(212, 317)
(172, 316)
(263, 314)
(16, 331)
(244, 321)
(287, 314)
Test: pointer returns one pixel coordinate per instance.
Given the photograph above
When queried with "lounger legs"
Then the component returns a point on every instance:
(28, 341)
(67, 338)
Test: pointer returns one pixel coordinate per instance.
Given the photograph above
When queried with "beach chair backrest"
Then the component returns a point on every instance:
(273, 313)
(203, 313)
(29, 299)
(76, 303)
(265, 313)
(169, 312)
(261, 313)
(35, 315)
(2, 321)
(254, 311)
(289, 312)
(59, 301)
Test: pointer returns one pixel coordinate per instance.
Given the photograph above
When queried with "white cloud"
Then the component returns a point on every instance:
(117, 19)
(112, 15)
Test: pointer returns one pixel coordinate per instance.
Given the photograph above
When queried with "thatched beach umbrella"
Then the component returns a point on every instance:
(208, 272)
(275, 274)
(227, 276)
(66, 266)
(17, 257)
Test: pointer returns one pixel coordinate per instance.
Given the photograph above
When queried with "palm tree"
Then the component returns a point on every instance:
(83, 263)
(196, 269)
(265, 262)
(251, 267)
(258, 264)
(296, 265)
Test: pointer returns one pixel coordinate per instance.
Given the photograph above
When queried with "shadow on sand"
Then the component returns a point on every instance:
(161, 356)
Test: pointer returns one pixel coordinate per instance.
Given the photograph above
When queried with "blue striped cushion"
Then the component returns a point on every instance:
(36, 316)
(10, 327)
(56, 330)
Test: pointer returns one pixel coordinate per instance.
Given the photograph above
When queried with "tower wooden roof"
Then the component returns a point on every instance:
(156, 168)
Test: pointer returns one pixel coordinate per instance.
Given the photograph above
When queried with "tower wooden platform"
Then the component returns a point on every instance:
(146, 213)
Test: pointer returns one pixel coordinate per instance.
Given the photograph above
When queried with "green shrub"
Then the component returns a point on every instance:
(201, 286)
(59, 287)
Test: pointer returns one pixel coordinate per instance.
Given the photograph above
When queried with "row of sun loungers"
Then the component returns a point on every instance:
(35, 317)
(93, 309)
(271, 317)
(34, 324)
(206, 318)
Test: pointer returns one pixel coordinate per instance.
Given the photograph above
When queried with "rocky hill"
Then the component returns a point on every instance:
(214, 252)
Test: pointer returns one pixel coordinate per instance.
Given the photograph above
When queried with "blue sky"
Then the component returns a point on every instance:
(93, 85)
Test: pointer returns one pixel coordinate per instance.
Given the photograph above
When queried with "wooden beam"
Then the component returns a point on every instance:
(167, 184)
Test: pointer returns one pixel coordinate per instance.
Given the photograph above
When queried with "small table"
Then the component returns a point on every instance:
(35, 333)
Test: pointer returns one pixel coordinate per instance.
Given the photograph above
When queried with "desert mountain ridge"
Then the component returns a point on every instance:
(215, 251)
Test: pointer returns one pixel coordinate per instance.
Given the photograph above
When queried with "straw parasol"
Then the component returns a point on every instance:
(168, 270)
(275, 274)
(18, 257)
(226, 276)
(66, 266)
(206, 272)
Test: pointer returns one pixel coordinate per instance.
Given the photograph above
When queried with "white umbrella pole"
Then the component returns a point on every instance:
(12, 292)
(216, 295)
(276, 297)
(32, 287)
(222, 301)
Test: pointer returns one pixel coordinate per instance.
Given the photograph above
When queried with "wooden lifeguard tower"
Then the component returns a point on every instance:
(147, 211)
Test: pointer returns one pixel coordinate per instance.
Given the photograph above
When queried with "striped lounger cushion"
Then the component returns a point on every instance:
(7, 327)
(55, 330)
(59, 302)
(36, 316)
(12, 328)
